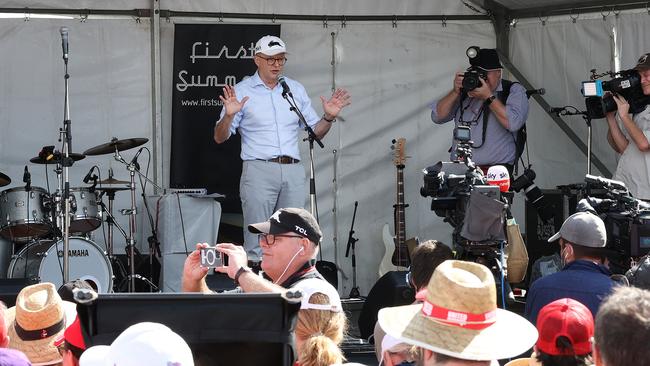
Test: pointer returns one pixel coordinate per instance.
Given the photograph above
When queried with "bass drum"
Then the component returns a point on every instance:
(42, 261)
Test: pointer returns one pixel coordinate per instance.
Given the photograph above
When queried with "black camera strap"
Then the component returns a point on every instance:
(519, 137)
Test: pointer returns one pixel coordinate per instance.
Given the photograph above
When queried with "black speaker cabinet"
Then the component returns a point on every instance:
(391, 289)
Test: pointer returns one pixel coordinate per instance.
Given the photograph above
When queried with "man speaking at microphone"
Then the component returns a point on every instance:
(272, 175)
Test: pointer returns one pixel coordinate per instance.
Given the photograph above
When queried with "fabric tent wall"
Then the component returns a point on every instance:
(110, 83)
(558, 56)
(393, 74)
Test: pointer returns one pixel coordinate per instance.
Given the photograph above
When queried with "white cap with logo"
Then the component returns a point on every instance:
(270, 46)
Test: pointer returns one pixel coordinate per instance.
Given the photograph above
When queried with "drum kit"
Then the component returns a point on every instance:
(33, 219)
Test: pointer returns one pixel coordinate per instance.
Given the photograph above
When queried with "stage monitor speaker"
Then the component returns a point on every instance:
(221, 329)
(10, 287)
(391, 289)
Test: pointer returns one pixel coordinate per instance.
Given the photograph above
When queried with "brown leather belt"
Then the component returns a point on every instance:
(282, 160)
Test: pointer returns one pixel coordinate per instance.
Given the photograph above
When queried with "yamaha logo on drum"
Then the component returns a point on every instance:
(74, 253)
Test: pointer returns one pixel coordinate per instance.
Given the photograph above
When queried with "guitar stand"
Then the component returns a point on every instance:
(354, 293)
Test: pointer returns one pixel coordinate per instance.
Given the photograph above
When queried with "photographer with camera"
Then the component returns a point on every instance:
(494, 109)
(634, 164)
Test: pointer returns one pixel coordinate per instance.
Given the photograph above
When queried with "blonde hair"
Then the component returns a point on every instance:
(321, 332)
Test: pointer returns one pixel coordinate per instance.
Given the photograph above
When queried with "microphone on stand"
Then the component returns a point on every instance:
(88, 176)
(540, 91)
(64, 42)
(556, 110)
(285, 88)
(27, 178)
(134, 161)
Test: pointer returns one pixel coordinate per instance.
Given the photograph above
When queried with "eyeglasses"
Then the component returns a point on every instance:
(270, 238)
(271, 60)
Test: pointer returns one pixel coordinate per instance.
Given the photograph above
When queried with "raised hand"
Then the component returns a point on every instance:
(339, 99)
(458, 82)
(230, 102)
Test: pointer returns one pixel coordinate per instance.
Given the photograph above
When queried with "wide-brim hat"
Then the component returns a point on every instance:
(36, 321)
(459, 317)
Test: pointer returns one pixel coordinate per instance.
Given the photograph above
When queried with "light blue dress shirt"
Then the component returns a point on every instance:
(499, 145)
(267, 126)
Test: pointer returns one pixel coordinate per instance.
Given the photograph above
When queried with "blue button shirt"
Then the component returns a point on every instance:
(267, 127)
(499, 146)
(581, 280)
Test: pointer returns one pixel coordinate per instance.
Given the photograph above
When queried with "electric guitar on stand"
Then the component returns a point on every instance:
(397, 255)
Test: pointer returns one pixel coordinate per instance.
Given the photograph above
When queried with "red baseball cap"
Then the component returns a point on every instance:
(565, 318)
(72, 335)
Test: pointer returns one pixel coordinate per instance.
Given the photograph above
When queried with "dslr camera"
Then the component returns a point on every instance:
(471, 77)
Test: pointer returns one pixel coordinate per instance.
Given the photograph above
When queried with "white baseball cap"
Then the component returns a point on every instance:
(151, 344)
(311, 286)
(270, 46)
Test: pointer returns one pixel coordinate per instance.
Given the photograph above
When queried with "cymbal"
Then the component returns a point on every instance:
(112, 188)
(112, 180)
(115, 144)
(4, 180)
(55, 159)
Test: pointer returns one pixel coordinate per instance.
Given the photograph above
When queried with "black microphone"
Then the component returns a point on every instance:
(285, 87)
(555, 110)
(540, 91)
(134, 161)
(64, 41)
(27, 178)
(608, 183)
(88, 176)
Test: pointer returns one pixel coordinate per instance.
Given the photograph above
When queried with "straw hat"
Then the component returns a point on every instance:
(459, 317)
(35, 322)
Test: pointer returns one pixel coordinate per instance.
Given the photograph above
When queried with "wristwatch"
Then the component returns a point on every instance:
(490, 99)
(329, 120)
(240, 271)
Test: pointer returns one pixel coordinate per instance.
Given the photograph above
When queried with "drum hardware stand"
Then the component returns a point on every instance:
(130, 249)
(354, 293)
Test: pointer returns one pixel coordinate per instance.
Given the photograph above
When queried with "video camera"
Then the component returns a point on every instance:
(626, 83)
(452, 184)
(627, 219)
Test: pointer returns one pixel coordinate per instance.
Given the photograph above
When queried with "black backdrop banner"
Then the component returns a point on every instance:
(207, 57)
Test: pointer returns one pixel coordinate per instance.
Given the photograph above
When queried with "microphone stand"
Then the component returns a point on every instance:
(288, 96)
(65, 135)
(354, 293)
(587, 118)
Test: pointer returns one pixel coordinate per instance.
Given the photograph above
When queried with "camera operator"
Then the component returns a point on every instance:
(494, 124)
(633, 166)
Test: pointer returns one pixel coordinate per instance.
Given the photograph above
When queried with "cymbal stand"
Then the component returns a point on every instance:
(132, 167)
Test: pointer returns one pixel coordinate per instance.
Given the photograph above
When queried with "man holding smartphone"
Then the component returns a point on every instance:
(289, 240)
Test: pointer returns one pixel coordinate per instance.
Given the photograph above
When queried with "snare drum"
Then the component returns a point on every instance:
(22, 215)
(85, 216)
(42, 261)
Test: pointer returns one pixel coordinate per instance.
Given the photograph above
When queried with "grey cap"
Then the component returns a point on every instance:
(583, 228)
